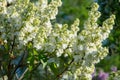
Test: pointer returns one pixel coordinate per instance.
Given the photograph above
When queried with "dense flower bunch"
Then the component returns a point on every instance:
(70, 54)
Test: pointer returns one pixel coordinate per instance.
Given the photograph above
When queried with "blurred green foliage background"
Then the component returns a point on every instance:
(70, 10)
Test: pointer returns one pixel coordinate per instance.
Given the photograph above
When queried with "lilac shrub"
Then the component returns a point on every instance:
(56, 51)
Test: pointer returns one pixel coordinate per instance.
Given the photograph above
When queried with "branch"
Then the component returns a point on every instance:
(66, 68)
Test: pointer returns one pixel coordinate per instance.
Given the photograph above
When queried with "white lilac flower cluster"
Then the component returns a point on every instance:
(87, 49)
(24, 22)
(115, 75)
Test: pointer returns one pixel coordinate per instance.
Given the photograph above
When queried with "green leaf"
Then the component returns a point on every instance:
(30, 67)
(44, 64)
(53, 67)
(35, 52)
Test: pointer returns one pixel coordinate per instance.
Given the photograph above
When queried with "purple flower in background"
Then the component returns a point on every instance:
(103, 76)
(114, 68)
